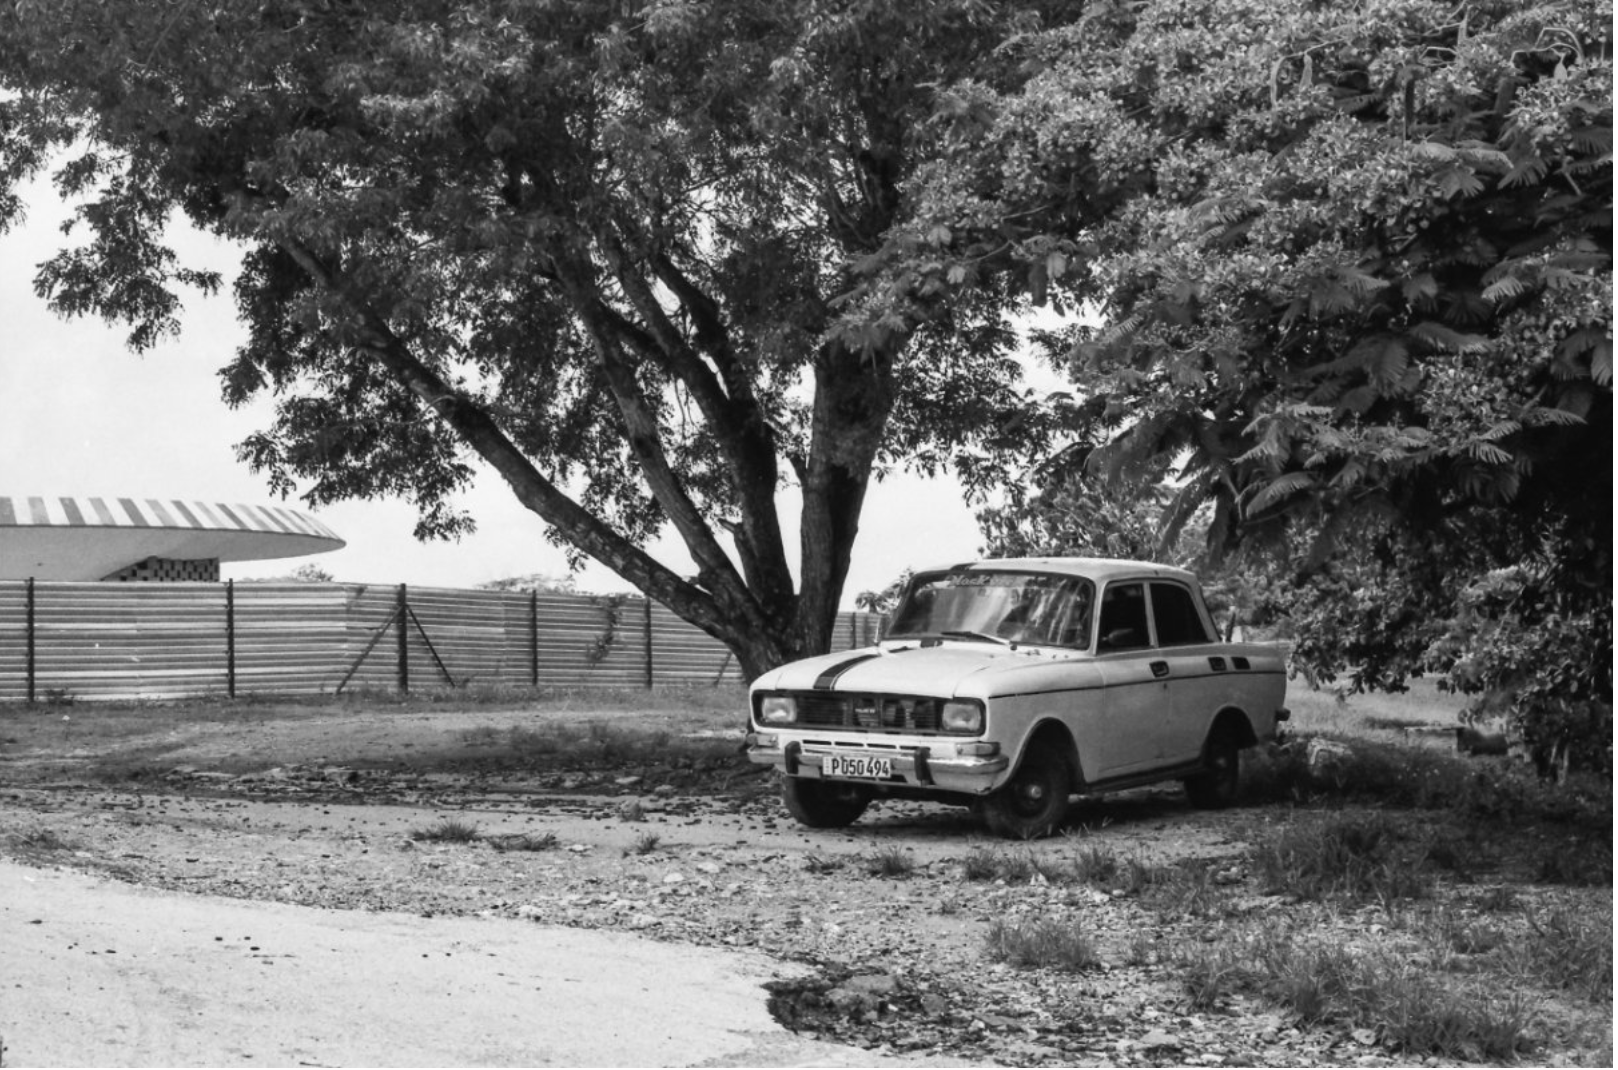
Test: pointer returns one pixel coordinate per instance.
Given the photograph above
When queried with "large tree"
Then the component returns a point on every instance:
(1353, 270)
(615, 250)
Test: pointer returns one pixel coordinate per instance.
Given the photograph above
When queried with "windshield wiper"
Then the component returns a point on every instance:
(983, 637)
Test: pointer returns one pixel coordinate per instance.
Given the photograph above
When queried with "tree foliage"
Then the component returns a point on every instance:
(1352, 265)
(617, 251)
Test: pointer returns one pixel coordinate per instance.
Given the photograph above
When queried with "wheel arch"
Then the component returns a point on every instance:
(1052, 734)
(1234, 720)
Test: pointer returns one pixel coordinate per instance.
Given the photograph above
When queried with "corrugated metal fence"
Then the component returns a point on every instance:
(170, 640)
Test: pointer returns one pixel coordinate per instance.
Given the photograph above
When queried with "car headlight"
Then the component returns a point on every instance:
(777, 709)
(959, 716)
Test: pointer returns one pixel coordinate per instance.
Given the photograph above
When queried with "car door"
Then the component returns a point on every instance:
(1181, 657)
(1136, 711)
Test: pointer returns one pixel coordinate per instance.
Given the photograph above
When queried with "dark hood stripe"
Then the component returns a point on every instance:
(828, 679)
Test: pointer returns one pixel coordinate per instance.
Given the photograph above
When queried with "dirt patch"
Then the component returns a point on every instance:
(597, 820)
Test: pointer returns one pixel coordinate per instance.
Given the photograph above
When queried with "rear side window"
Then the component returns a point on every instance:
(1123, 618)
(1175, 611)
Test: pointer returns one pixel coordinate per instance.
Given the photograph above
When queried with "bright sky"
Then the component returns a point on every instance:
(84, 416)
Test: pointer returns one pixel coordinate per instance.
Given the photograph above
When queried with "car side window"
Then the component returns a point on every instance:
(1178, 622)
(1123, 618)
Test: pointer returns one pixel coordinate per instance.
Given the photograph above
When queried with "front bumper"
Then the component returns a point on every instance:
(923, 765)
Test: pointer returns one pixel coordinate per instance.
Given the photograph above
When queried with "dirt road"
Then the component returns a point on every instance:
(103, 973)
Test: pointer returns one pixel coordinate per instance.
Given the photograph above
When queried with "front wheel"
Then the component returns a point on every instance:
(1033, 802)
(1215, 787)
(824, 804)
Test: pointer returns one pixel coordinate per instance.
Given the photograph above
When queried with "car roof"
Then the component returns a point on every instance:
(1099, 569)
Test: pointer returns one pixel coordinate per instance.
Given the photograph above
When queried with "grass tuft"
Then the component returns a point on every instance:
(890, 861)
(644, 844)
(818, 864)
(1354, 857)
(524, 841)
(1044, 942)
(449, 830)
(1410, 1008)
(1570, 947)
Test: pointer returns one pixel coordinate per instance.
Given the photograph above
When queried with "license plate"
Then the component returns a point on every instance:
(860, 768)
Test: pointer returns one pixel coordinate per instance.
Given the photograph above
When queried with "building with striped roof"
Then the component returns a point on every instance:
(145, 539)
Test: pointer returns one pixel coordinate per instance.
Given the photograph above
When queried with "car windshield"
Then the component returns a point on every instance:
(1014, 607)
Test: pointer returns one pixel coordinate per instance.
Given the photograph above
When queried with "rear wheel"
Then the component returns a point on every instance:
(824, 804)
(1215, 787)
(1034, 801)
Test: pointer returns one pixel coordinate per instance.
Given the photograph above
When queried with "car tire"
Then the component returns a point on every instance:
(1033, 802)
(1217, 785)
(824, 804)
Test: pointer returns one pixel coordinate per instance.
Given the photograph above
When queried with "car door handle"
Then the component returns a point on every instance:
(1160, 669)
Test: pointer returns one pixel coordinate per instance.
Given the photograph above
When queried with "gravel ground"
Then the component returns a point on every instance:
(701, 853)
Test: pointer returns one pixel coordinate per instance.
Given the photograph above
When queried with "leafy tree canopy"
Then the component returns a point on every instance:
(1354, 268)
(618, 251)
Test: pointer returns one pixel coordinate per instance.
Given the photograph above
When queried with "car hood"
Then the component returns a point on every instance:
(940, 670)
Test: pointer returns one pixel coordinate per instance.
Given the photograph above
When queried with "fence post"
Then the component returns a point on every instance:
(30, 642)
(230, 638)
(648, 630)
(533, 638)
(402, 615)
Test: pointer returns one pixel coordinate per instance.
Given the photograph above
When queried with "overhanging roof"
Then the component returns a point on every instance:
(89, 538)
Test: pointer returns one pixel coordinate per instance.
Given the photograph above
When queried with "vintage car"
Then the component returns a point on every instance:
(1012, 685)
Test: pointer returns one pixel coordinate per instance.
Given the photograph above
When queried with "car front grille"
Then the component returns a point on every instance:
(870, 713)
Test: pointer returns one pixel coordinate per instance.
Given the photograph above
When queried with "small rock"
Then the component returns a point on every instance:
(1159, 1038)
(627, 781)
(877, 984)
(673, 878)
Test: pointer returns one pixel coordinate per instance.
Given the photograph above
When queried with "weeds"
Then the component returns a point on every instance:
(890, 861)
(1211, 975)
(1409, 1008)
(44, 840)
(982, 864)
(1571, 948)
(449, 830)
(644, 844)
(524, 841)
(1343, 856)
(1044, 942)
(1093, 864)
